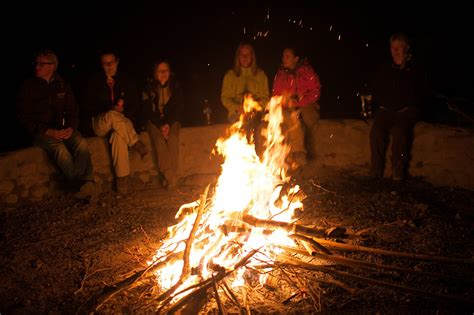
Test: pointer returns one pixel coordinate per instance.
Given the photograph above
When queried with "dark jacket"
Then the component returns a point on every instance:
(172, 110)
(395, 88)
(43, 105)
(98, 98)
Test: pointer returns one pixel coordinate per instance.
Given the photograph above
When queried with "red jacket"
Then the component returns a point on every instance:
(301, 84)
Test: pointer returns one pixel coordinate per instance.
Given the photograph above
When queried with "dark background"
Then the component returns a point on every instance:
(200, 41)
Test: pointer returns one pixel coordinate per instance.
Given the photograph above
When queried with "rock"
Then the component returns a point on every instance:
(6, 186)
(41, 179)
(11, 199)
(144, 177)
(38, 191)
(28, 169)
(24, 193)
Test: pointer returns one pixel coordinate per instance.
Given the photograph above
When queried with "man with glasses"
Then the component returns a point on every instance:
(48, 111)
(110, 108)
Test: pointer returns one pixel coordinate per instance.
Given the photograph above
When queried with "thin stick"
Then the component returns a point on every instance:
(354, 263)
(294, 228)
(312, 242)
(425, 257)
(338, 283)
(87, 276)
(423, 293)
(231, 293)
(108, 292)
(218, 300)
(321, 187)
(187, 251)
(206, 285)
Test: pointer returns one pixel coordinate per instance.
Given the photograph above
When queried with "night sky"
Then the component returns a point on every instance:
(343, 42)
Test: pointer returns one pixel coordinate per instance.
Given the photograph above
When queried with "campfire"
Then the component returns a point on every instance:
(241, 242)
(230, 234)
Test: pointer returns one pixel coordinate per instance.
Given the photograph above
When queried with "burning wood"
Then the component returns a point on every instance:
(228, 249)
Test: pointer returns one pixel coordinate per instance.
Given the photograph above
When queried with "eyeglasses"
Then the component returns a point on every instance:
(108, 64)
(41, 64)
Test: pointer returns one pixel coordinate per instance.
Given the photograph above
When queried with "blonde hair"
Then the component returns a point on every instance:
(254, 66)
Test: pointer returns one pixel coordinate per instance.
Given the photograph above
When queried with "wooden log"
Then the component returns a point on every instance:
(312, 242)
(355, 263)
(291, 228)
(425, 257)
(203, 287)
(187, 251)
(423, 293)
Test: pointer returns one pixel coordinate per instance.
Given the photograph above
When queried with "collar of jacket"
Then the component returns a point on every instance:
(299, 64)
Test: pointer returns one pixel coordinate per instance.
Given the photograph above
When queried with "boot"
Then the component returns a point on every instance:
(86, 191)
(141, 148)
(121, 185)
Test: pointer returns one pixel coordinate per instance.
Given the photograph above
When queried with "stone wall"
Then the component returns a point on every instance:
(442, 155)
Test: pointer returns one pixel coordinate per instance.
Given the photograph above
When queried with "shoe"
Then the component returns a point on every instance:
(86, 191)
(375, 174)
(172, 183)
(398, 178)
(141, 148)
(163, 182)
(121, 185)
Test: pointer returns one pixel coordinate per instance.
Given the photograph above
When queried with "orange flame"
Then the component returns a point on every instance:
(247, 184)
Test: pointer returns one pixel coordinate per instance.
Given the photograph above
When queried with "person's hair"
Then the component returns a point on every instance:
(254, 66)
(400, 37)
(157, 62)
(293, 50)
(108, 52)
(51, 55)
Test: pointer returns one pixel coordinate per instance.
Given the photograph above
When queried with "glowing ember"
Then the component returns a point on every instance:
(248, 185)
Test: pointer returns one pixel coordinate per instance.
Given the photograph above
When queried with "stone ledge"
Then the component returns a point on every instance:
(442, 155)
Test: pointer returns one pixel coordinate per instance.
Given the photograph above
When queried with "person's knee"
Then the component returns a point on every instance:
(115, 138)
(376, 133)
(81, 145)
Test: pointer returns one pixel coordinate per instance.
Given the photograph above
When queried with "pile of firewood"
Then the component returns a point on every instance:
(294, 278)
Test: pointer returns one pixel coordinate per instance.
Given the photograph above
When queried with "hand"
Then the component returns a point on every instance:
(165, 130)
(292, 103)
(66, 133)
(54, 133)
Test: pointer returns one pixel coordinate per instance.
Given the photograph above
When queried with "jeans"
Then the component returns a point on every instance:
(71, 155)
(400, 126)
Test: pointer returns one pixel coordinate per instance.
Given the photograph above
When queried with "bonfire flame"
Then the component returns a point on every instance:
(248, 185)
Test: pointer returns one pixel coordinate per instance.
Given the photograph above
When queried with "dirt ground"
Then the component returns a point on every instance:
(58, 253)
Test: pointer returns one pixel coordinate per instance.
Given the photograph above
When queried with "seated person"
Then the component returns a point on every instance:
(110, 106)
(48, 110)
(300, 88)
(245, 78)
(162, 111)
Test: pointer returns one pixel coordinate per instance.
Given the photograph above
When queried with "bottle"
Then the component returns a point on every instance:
(207, 112)
(366, 104)
(63, 121)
